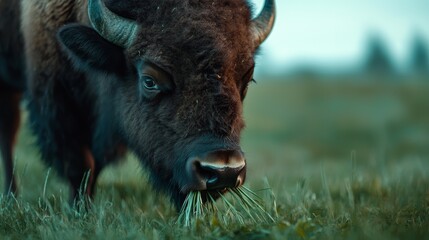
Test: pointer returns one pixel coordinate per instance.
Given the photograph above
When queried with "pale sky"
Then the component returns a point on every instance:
(334, 33)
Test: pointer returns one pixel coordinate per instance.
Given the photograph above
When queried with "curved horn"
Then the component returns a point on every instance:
(114, 28)
(263, 24)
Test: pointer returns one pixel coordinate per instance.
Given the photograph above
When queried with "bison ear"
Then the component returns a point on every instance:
(89, 51)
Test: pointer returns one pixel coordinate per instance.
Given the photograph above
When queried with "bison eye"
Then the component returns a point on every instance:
(247, 79)
(149, 87)
(153, 81)
(149, 83)
(244, 90)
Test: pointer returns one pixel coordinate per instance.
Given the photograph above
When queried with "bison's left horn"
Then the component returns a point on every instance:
(116, 29)
(263, 23)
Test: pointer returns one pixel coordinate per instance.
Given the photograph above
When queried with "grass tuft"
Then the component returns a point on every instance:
(241, 205)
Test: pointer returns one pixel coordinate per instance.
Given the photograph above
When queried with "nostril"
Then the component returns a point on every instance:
(209, 174)
(212, 180)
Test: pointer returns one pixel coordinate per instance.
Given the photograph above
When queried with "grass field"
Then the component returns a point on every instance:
(330, 159)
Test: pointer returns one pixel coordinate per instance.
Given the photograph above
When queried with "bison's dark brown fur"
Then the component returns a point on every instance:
(90, 97)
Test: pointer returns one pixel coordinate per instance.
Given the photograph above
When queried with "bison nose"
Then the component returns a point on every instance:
(218, 170)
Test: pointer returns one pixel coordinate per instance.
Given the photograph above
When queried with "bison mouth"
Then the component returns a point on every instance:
(213, 185)
(206, 196)
(202, 199)
(208, 165)
(209, 196)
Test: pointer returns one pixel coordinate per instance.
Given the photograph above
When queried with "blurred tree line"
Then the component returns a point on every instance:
(378, 61)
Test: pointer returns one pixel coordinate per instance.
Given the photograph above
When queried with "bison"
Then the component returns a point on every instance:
(164, 79)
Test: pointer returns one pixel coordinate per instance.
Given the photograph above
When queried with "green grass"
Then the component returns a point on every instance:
(327, 160)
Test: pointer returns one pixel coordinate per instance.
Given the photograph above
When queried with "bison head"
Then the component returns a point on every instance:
(170, 77)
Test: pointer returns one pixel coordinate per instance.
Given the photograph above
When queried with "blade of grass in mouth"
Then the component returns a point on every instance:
(250, 203)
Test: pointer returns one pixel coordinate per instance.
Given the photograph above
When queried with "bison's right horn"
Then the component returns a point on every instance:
(262, 25)
(114, 28)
